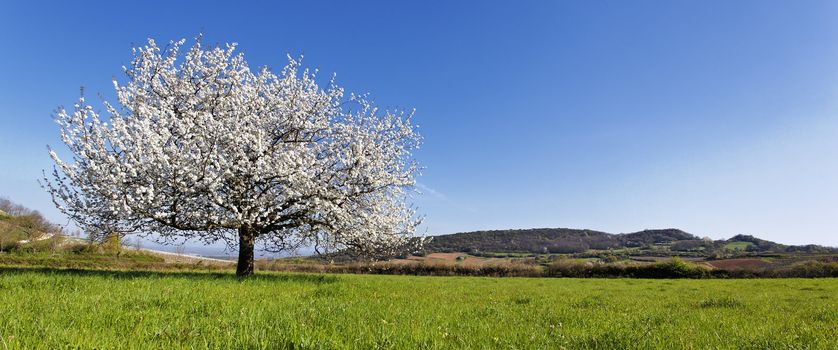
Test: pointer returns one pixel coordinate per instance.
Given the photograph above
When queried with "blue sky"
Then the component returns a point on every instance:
(716, 117)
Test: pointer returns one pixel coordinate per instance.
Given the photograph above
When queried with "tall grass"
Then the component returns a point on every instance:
(47, 308)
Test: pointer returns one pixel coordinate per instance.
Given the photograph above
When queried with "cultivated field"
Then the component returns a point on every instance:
(50, 308)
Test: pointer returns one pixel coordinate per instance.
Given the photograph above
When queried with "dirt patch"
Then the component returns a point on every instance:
(446, 256)
(451, 258)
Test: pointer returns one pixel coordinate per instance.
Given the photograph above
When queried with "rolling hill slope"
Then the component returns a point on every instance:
(569, 241)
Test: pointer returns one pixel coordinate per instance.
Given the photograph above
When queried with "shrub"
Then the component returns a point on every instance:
(810, 269)
(609, 258)
(676, 268)
(568, 268)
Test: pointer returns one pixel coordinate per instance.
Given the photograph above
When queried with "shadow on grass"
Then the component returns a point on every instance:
(133, 274)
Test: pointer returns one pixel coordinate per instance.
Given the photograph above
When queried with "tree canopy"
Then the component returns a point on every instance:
(200, 146)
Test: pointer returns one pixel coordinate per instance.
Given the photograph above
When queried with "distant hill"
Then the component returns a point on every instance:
(573, 241)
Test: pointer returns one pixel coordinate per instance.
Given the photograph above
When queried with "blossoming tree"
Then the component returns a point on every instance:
(200, 146)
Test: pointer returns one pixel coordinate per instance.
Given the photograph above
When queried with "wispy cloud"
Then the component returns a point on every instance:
(425, 189)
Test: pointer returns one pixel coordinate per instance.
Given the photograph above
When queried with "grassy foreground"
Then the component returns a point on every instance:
(48, 308)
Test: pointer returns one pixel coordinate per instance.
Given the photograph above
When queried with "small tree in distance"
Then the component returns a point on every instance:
(199, 146)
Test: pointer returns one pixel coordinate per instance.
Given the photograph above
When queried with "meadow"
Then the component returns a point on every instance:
(57, 308)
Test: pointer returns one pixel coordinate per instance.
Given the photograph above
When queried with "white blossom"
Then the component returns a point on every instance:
(199, 145)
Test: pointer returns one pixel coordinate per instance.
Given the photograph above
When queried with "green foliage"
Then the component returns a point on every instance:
(46, 308)
(677, 268)
(112, 244)
(811, 268)
(609, 258)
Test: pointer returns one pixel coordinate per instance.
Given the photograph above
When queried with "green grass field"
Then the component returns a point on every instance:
(47, 308)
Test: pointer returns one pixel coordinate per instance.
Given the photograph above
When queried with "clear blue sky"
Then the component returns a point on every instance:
(716, 117)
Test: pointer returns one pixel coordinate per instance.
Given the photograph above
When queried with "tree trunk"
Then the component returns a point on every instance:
(246, 242)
